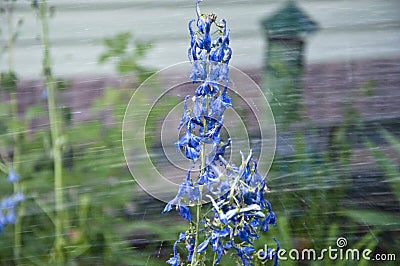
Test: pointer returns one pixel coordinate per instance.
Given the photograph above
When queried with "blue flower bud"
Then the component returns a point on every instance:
(12, 176)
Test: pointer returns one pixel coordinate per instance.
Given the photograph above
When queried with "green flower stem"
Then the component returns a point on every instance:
(16, 131)
(215, 258)
(55, 128)
(196, 257)
(17, 188)
(10, 45)
(18, 229)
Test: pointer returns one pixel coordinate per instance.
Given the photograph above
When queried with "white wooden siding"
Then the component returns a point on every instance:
(349, 30)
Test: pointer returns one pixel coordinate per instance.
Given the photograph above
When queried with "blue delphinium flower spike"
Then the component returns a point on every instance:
(238, 210)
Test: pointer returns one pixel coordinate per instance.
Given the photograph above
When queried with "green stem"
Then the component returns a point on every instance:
(15, 164)
(196, 257)
(10, 45)
(18, 229)
(215, 258)
(16, 131)
(55, 128)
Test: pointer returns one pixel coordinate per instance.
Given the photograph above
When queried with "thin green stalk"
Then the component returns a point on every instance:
(17, 188)
(16, 131)
(196, 256)
(10, 46)
(18, 229)
(55, 128)
(215, 258)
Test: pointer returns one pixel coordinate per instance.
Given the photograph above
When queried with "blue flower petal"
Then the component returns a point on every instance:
(190, 248)
(184, 211)
(12, 176)
(198, 71)
(173, 261)
(10, 218)
(182, 236)
(222, 233)
(203, 246)
(167, 207)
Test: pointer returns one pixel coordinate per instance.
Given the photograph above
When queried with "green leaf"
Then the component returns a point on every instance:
(52, 11)
(35, 4)
(67, 115)
(141, 49)
(392, 139)
(34, 111)
(20, 22)
(367, 88)
(389, 168)
(115, 46)
(368, 241)
(373, 218)
(126, 65)
(8, 81)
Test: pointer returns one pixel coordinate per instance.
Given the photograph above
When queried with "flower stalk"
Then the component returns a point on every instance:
(56, 136)
(16, 185)
(199, 204)
(15, 161)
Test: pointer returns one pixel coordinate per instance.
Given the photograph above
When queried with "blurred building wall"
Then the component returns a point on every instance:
(349, 30)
